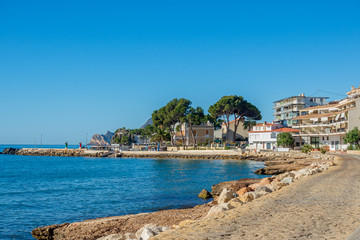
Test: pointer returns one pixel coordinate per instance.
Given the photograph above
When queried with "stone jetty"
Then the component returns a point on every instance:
(55, 152)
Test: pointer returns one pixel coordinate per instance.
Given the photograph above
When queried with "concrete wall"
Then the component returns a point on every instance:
(241, 133)
(354, 116)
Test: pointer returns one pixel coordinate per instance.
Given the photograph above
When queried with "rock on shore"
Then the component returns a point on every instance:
(55, 152)
(121, 225)
(11, 151)
(234, 186)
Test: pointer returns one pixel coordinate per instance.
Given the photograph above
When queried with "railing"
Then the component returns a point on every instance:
(289, 103)
(319, 124)
(340, 130)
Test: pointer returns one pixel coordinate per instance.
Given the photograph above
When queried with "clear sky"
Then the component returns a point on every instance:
(68, 68)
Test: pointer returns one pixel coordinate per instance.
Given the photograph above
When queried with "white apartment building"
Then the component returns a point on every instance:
(326, 126)
(285, 110)
(263, 135)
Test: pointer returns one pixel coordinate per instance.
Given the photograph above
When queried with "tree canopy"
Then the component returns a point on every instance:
(285, 139)
(235, 107)
(172, 113)
(352, 136)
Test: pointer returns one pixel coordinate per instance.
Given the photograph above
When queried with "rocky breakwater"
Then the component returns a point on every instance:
(55, 152)
(278, 163)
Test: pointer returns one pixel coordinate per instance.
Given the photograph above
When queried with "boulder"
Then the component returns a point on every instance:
(304, 172)
(266, 181)
(254, 186)
(278, 169)
(232, 185)
(243, 190)
(148, 231)
(235, 202)
(48, 232)
(278, 185)
(204, 194)
(112, 237)
(219, 209)
(263, 188)
(297, 175)
(225, 196)
(11, 151)
(247, 197)
(287, 180)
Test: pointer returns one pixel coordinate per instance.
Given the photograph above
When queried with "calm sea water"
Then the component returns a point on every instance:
(37, 191)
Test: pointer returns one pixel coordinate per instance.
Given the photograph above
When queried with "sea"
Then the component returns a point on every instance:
(39, 190)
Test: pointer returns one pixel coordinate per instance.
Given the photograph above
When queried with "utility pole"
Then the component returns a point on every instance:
(86, 139)
(41, 140)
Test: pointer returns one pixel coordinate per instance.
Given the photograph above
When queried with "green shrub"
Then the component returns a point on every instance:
(227, 147)
(323, 150)
(285, 139)
(350, 147)
(306, 148)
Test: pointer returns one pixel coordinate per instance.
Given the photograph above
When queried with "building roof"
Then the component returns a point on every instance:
(284, 129)
(298, 97)
(231, 122)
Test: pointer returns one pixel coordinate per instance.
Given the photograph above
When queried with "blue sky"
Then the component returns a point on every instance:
(69, 68)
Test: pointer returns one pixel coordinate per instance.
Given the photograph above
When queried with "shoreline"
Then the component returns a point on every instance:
(133, 223)
(291, 213)
(275, 162)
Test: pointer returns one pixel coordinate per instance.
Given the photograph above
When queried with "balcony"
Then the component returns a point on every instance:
(322, 124)
(287, 103)
(331, 132)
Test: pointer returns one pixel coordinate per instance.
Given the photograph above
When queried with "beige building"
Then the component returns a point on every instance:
(241, 133)
(326, 126)
(203, 133)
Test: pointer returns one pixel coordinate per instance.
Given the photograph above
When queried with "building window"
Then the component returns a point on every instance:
(194, 132)
(327, 138)
(323, 138)
(207, 132)
(315, 141)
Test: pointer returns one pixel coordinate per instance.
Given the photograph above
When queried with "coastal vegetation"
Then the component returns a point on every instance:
(168, 120)
(306, 148)
(353, 137)
(174, 112)
(285, 139)
(235, 107)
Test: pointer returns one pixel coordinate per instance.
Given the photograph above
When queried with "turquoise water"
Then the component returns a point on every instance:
(37, 191)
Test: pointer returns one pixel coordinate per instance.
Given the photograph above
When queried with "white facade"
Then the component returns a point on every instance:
(263, 136)
(326, 126)
(285, 110)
